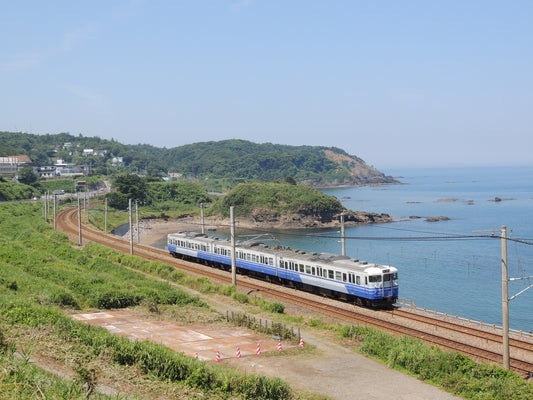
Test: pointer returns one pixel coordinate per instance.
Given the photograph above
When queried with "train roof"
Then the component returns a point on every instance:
(331, 259)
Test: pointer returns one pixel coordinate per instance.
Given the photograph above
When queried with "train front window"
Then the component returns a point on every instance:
(386, 278)
(374, 278)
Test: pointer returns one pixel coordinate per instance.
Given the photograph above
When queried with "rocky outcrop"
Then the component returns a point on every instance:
(304, 220)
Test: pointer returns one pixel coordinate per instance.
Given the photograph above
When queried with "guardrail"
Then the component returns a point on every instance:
(409, 304)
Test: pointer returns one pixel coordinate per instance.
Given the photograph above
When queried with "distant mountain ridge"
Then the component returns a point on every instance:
(234, 160)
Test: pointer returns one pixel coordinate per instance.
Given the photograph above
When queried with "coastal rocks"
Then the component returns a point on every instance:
(304, 220)
(430, 219)
(437, 219)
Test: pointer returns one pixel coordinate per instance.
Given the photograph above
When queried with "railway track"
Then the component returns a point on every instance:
(477, 343)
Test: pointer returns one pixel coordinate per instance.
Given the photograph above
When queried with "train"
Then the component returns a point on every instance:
(331, 275)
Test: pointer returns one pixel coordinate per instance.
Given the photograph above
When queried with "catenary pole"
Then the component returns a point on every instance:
(505, 297)
(55, 213)
(137, 221)
(343, 237)
(131, 226)
(79, 221)
(505, 300)
(105, 215)
(202, 217)
(233, 261)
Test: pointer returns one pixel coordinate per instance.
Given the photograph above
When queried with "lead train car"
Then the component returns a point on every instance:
(328, 274)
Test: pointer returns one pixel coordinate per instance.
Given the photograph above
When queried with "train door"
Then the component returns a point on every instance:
(388, 284)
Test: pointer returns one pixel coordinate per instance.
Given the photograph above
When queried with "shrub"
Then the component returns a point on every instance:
(64, 299)
(116, 299)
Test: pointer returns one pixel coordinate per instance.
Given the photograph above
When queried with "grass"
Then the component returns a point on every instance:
(450, 371)
(42, 275)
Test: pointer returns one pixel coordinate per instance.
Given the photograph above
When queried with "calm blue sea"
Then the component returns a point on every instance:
(460, 276)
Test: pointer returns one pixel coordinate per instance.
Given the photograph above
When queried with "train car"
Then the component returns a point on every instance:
(327, 274)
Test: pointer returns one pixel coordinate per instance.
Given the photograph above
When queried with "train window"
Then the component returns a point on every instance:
(325, 273)
(358, 280)
(337, 275)
(344, 277)
(374, 278)
(313, 270)
(395, 276)
(386, 278)
(331, 274)
(307, 269)
(270, 261)
(301, 268)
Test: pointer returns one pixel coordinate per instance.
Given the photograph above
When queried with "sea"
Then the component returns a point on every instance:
(453, 265)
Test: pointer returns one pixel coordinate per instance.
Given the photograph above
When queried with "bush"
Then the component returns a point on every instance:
(64, 299)
(116, 299)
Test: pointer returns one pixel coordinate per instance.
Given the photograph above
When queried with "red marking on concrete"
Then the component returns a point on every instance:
(190, 340)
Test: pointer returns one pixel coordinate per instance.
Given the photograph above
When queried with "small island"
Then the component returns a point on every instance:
(278, 205)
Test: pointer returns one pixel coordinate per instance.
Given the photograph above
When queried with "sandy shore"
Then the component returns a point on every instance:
(154, 230)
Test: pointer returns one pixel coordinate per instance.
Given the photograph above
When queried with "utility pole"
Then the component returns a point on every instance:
(131, 226)
(343, 237)
(45, 206)
(505, 300)
(105, 215)
(233, 261)
(202, 217)
(79, 221)
(505, 297)
(137, 223)
(55, 214)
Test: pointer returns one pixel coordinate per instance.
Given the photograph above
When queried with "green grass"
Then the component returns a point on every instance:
(451, 371)
(41, 274)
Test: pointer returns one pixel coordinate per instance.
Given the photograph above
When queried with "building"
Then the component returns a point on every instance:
(10, 165)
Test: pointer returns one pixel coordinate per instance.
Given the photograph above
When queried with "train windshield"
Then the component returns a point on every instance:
(374, 278)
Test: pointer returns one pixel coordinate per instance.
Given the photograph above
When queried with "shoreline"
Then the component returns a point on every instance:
(153, 231)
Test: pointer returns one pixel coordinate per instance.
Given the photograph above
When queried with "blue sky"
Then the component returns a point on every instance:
(397, 83)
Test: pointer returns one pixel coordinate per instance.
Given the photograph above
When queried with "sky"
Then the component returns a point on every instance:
(399, 83)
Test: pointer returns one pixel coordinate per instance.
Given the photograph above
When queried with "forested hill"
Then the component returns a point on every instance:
(248, 161)
(234, 161)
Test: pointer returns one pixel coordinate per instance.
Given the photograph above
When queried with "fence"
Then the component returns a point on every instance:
(277, 330)
(404, 303)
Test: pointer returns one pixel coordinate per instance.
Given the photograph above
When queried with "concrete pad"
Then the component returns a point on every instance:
(205, 341)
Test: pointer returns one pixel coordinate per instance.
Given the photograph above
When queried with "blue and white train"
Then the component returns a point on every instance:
(327, 274)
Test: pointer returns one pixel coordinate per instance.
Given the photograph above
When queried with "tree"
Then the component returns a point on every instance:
(26, 175)
(132, 187)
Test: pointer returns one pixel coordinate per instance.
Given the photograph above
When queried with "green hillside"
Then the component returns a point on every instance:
(218, 165)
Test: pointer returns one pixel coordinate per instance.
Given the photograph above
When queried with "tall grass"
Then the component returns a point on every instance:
(41, 273)
(451, 371)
